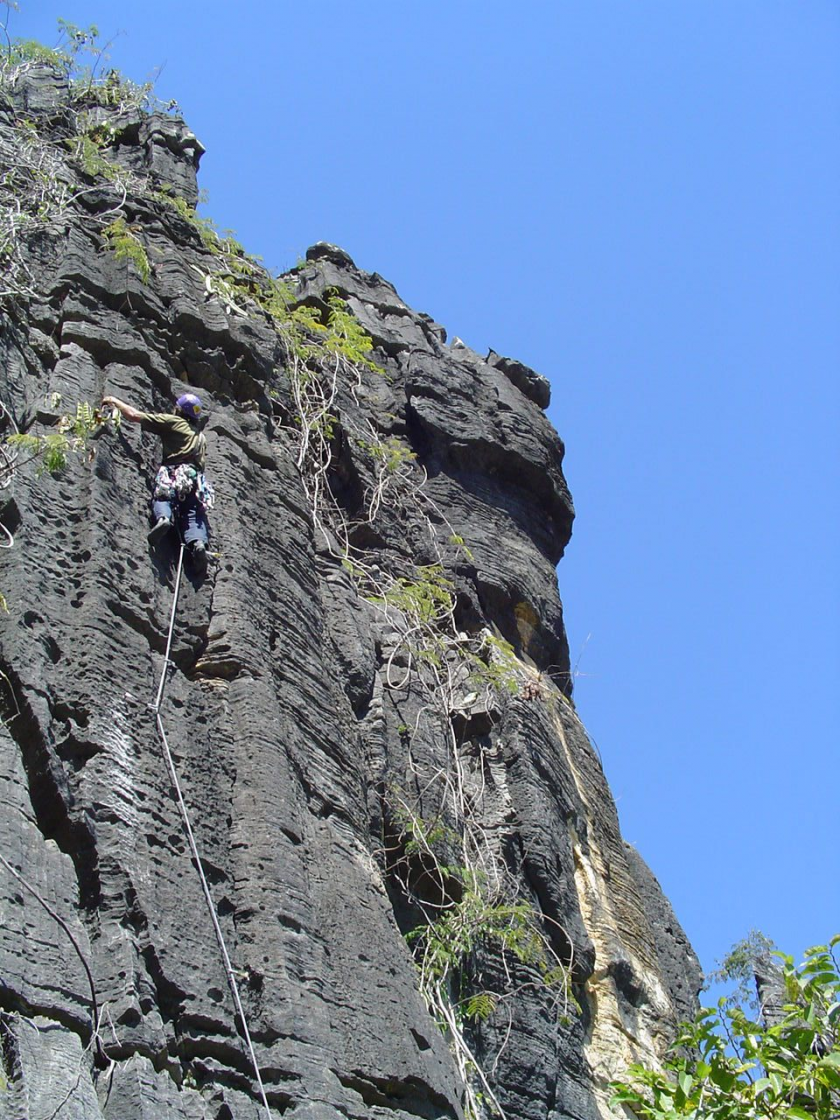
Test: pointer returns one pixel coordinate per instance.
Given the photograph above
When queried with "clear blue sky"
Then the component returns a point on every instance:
(641, 201)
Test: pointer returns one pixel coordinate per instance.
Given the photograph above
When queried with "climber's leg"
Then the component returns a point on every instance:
(192, 521)
(194, 531)
(162, 513)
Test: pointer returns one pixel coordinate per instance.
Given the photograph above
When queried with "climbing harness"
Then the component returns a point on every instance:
(176, 484)
(173, 774)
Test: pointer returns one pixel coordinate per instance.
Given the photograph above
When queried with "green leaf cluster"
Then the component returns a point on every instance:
(495, 666)
(458, 542)
(126, 246)
(356, 571)
(80, 57)
(51, 449)
(316, 337)
(220, 245)
(480, 1006)
(30, 50)
(312, 335)
(74, 431)
(421, 835)
(478, 920)
(390, 453)
(346, 336)
(726, 1066)
(116, 90)
(87, 148)
(426, 600)
(319, 340)
(73, 435)
(737, 968)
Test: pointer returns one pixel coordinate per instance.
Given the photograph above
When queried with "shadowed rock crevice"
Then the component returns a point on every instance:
(15, 1004)
(56, 811)
(411, 1097)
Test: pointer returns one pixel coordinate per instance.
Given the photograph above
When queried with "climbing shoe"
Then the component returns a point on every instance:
(198, 554)
(159, 530)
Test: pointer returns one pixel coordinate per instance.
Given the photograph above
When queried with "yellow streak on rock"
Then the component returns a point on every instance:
(612, 913)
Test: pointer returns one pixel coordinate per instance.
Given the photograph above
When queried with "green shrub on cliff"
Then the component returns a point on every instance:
(426, 600)
(726, 1066)
(126, 246)
(477, 945)
(73, 435)
(80, 56)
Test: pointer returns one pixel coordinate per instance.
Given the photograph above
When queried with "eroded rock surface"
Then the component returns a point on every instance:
(294, 707)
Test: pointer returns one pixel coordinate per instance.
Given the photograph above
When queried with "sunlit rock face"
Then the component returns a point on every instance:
(324, 732)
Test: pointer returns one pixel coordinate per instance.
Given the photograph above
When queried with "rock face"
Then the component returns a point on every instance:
(369, 703)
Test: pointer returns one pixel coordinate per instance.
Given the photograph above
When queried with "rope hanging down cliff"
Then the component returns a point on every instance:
(173, 774)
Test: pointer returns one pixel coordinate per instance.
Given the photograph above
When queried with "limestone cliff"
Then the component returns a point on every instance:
(369, 703)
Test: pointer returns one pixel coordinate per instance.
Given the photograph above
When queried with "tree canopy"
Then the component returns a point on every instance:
(727, 1066)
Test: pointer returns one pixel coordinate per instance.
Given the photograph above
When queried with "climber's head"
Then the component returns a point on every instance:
(188, 405)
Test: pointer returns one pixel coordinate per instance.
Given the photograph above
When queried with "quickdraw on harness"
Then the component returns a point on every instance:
(177, 483)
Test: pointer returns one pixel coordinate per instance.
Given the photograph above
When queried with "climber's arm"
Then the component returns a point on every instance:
(128, 412)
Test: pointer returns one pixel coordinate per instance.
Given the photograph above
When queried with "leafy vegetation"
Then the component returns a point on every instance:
(126, 246)
(738, 968)
(391, 453)
(87, 151)
(495, 665)
(345, 336)
(726, 1065)
(80, 57)
(473, 924)
(426, 600)
(458, 541)
(73, 435)
(37, 191)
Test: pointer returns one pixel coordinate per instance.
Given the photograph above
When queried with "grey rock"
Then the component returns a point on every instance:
(160, 147)
(297, 709)
(535, 387)
(679, 965)
(323, 251)
(39, 88)
(770, 988)
(51, 1072)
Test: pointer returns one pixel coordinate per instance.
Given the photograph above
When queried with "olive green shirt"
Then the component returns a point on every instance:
(182, 443)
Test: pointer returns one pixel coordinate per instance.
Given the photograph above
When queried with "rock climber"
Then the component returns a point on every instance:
(180, 485)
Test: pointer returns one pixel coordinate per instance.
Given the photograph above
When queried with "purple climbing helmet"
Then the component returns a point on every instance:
(190, 405)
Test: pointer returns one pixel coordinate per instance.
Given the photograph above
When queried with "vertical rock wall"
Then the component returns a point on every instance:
(302, 708)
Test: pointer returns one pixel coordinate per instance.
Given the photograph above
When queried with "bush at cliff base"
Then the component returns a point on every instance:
(724, 1066)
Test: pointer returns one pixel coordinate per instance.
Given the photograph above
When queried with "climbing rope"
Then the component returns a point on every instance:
(173, 774)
